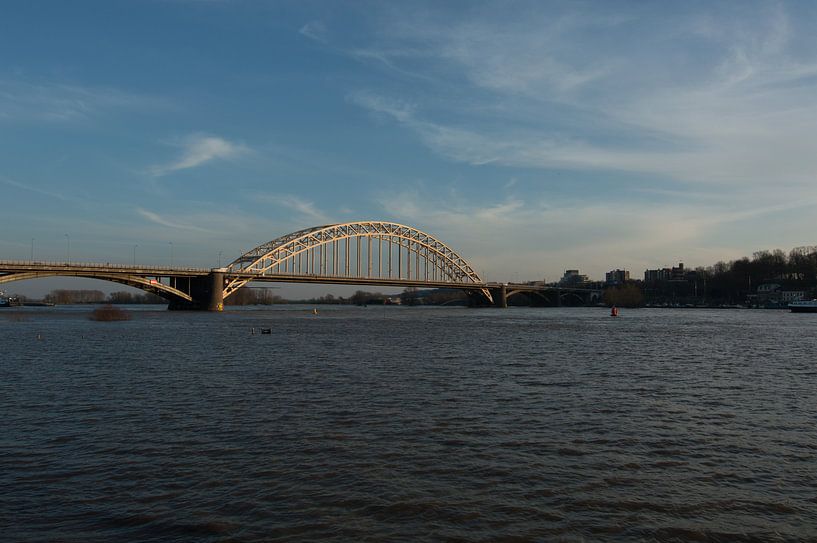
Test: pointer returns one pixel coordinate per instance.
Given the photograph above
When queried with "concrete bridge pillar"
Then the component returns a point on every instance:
(500, 296)
(216, 301)
(207, 292)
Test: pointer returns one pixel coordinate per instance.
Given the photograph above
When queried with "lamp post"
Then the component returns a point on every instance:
(32, 249)
(219, 259)
(134, 255)
(67, 248)
(171, 253)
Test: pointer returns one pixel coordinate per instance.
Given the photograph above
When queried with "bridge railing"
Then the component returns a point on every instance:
(100, 265)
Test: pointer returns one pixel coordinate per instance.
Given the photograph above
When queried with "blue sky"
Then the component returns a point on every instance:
(530, 136)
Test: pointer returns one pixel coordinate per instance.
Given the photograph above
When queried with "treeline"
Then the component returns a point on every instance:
(65, 297)
(360, 297)
(734, 281)
(329, 299)
(244, 296)
(440, 296)
(134, 298)
(259, 296)
(726, 283)
(409, 296)
(254, 296)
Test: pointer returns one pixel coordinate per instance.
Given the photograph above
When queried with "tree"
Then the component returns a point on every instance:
(628, 295)
(409, 296)
(64, 296)
(120, 297)
(253, 296)
(361, 297)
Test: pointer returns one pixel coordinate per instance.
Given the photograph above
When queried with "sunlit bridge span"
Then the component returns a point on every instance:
(373, 252)
(376, 253)
(356, 253)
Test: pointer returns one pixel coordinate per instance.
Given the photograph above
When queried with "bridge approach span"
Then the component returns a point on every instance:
(177, 285)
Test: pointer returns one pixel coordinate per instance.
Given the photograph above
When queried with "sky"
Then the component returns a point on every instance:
(531, 137)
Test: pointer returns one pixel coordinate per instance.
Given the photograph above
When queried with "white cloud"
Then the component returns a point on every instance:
(314, 30)
(205, 223)
(199, 149)
(724, 100)
(36, 190)
(157, 219)
(24, 100)
(397, 109)
(305, 210)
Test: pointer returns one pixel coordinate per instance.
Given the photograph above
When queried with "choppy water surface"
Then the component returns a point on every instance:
(373, 424)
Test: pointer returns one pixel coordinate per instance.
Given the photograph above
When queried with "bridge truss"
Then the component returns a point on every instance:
(380, 252)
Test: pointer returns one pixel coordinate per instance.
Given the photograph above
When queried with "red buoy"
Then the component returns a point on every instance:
(614, 312)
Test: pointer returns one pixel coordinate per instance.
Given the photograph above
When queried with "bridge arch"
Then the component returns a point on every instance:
(528, 293)
(377, 250)
(167, 292)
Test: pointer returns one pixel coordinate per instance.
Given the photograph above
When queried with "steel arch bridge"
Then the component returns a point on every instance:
(362, 252)
(377, 253)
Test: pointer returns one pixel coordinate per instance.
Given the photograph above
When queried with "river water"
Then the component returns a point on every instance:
(408, 424)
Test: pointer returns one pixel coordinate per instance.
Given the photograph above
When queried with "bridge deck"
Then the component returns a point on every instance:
(88, 269)
(24, 266)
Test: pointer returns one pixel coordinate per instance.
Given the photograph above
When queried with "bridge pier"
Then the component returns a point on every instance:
(207, 292)
(500, 296)
(216, 301)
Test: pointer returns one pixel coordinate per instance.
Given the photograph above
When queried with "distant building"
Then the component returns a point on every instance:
(667, 274)
(616, 277)
(573, 277)
(792, 295)
(766, 288)
(771, 293)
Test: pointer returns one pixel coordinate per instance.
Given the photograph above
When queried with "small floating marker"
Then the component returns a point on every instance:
(315, 311)
(614, 312)
(266, 330)
(39, 337)
(252, 331)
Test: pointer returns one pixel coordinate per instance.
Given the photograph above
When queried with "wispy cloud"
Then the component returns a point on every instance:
(158, 219)
(398, 109)
(305, 210)
(198, 149)
(25, 100)
(720, 98)
(203, 223)
(314, 30)
(35, 190)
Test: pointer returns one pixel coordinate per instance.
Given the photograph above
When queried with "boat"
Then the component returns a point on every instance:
(6, 301)
(804, 306)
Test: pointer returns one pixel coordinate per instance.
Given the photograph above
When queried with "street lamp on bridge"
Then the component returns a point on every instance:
(171, 253)
(134, 254)
(67, 248)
